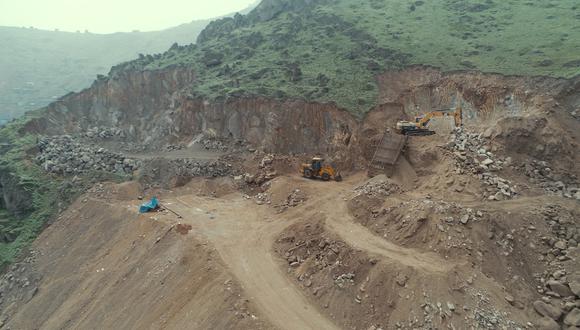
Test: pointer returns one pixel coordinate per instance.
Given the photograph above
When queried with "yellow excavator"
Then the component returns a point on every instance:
(419, 126)
(320, 170)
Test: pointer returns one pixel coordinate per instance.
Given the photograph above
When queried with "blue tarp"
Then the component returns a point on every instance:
(149, 206)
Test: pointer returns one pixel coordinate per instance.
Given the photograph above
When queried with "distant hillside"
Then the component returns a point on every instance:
(36, 66)
(333, 50)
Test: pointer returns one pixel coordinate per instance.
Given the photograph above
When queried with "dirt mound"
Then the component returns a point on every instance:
(361, 290)
(103, 266)
(510, 242)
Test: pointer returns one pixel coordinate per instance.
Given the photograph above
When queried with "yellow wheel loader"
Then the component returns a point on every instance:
(318, 169)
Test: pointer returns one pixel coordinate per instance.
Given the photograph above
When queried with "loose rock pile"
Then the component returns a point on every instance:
(20, 282)
(541, 173)
(482, 316)
(560, 289)
(342, 280)
(403, 220)
(379, 186)
(324, 251)
(103, 133)
(213, 144)
(295, 198)
(473, 156)
(172, 147)
(263, 198)
(566, 233)
(191, 168)
(63, 155)
(265, 173)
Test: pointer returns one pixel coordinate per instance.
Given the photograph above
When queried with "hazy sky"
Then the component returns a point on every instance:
(105, 16)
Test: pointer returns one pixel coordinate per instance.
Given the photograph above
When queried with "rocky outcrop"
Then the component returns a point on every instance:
(157, 108)
(168, 113)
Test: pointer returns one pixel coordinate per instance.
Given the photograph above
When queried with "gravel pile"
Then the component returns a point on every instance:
(191, 168)
(541, 173)
(63, 155)
(560, 287)
(379, 186)
(103, 133)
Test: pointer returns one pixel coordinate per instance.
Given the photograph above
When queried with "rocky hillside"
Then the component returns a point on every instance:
(475, 227)
(331, 51)
(281, 78)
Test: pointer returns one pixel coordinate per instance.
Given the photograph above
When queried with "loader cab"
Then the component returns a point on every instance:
(317, 164)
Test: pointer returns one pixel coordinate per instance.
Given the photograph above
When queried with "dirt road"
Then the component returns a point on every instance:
(243, 235)
(330, 203)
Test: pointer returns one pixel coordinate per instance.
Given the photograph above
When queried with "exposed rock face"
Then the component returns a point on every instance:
(292, 126)
(169, 114)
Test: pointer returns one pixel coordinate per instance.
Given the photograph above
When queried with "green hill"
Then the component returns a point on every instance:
(332, 50)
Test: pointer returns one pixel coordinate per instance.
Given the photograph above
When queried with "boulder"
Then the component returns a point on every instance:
(548, 310)
(560, 288)
(487, 162)
(574, 283)
(561, 245)
(573, 318)
(547, 323)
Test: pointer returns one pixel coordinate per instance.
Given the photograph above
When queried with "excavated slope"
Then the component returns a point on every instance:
(102, 266)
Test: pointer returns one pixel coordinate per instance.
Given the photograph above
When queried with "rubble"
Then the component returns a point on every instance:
(379, 186)
(172, 147)
(192, 168)
(213, 144)
(209, 141)
(104, 133)
(295, 198)
(262, 198)
(542, 174)
(560, 289)
(344, 279)
(474, 157)
(63, 155)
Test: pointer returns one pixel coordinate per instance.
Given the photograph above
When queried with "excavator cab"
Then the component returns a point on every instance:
(318, 169)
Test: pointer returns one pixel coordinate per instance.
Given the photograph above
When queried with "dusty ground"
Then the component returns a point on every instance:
(330, 259)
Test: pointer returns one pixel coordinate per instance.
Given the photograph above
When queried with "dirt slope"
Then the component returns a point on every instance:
(103, 266)
(243, 236)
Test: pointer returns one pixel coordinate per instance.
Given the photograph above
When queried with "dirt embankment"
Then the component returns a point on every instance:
(103, 266)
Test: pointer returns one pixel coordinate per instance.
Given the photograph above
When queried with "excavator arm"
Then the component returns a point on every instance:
(419, 126)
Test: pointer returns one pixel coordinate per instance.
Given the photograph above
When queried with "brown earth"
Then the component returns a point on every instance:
(426, 249)
(102, 265)
(230, 263)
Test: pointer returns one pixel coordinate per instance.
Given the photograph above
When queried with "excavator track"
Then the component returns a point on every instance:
(419, 133)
